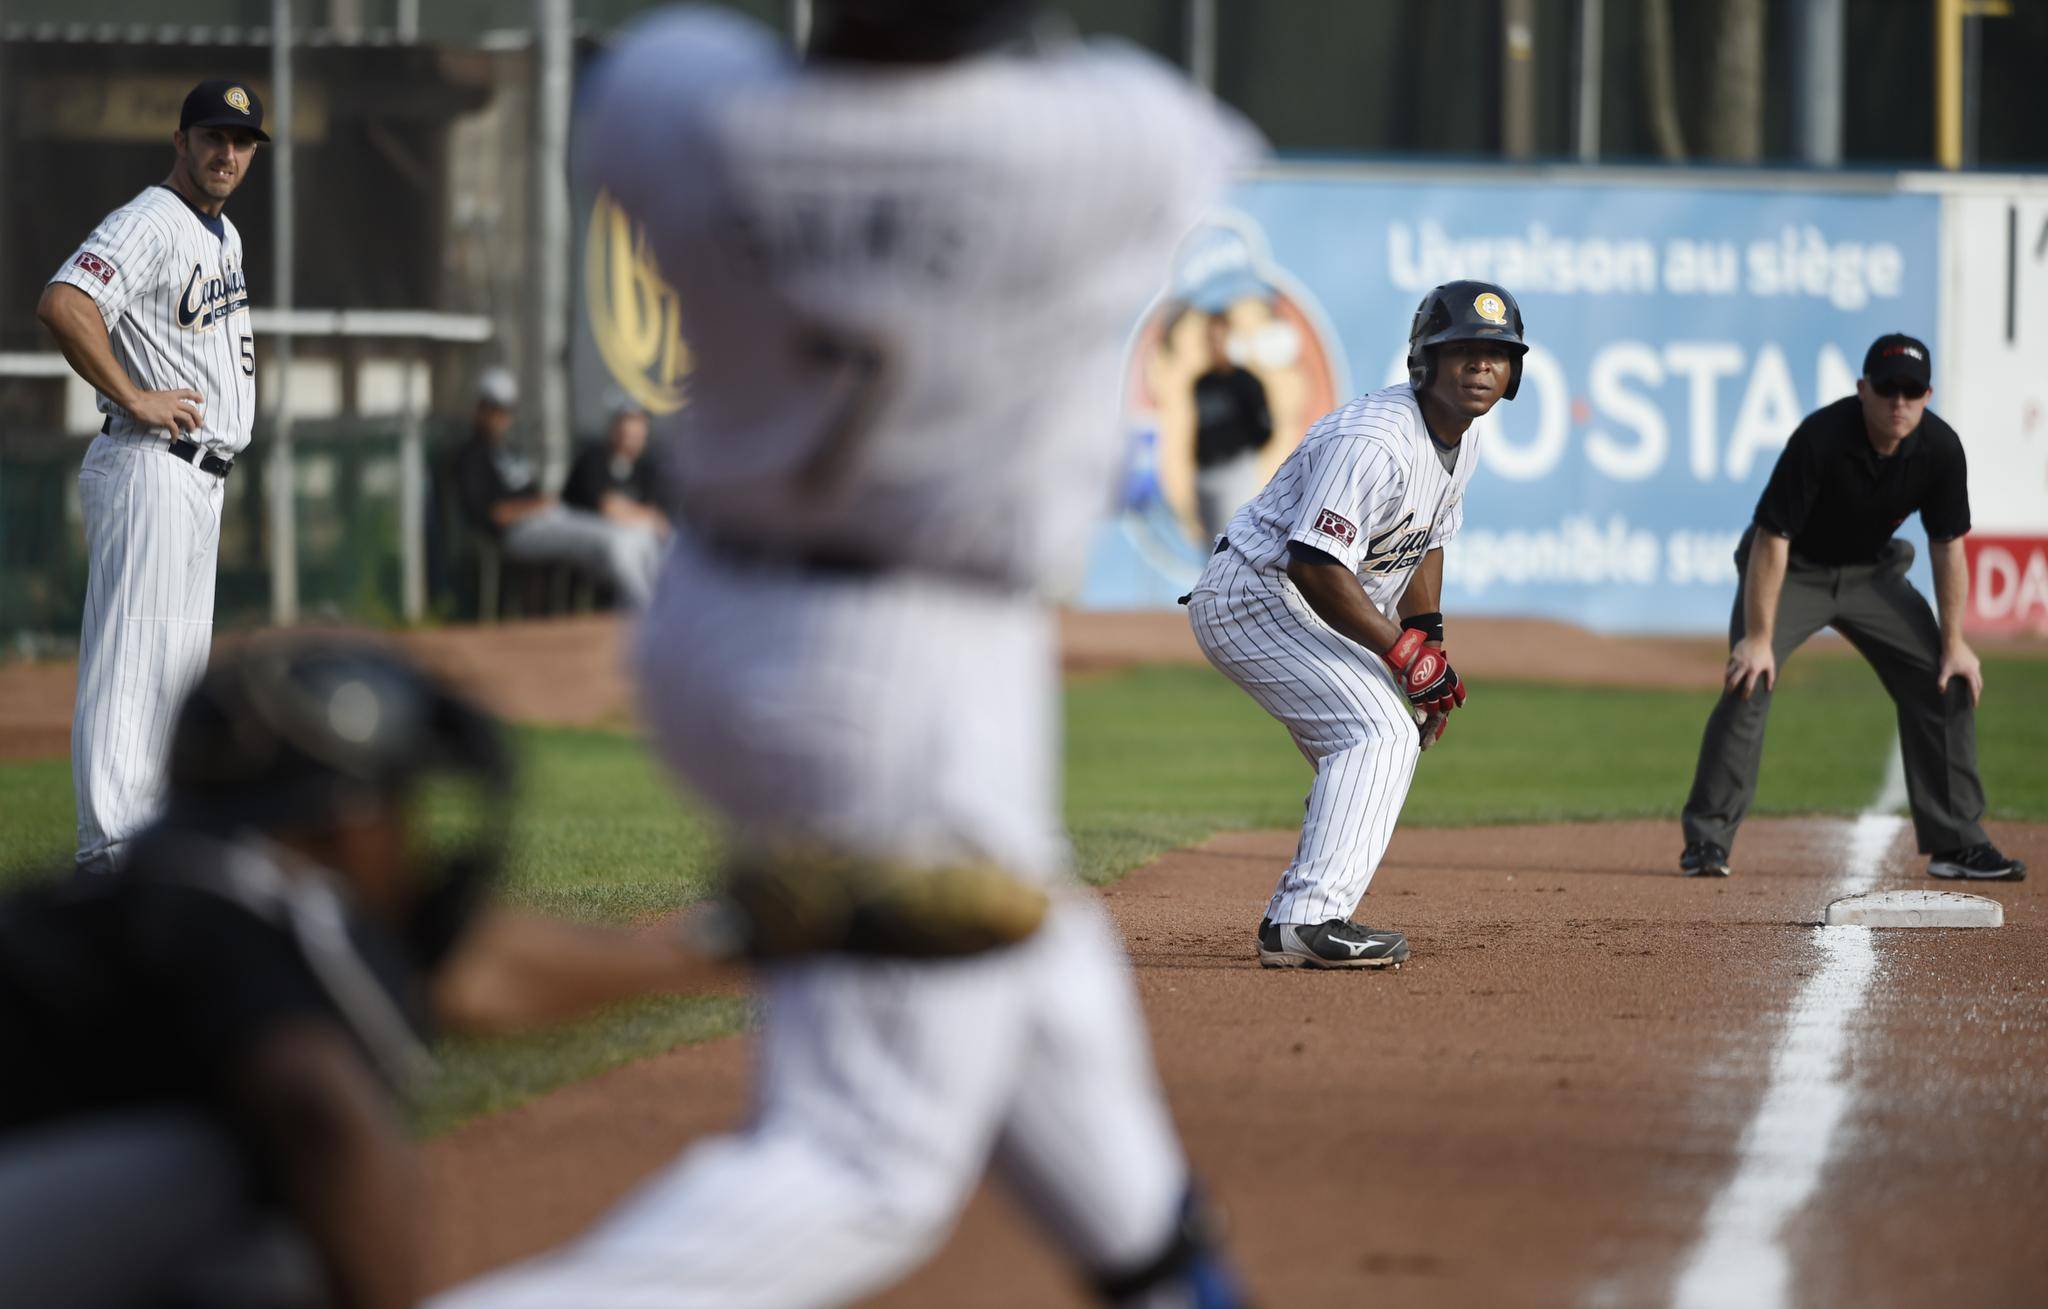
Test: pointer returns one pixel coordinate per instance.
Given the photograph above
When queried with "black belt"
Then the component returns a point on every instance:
(207, 462)
(847, 562)
(828, 560)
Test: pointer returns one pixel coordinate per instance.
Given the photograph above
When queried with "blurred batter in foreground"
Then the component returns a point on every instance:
(851, 647)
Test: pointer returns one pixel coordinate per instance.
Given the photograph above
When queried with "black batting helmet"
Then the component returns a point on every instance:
(920, 31)
(299, 734)
(1465, 311)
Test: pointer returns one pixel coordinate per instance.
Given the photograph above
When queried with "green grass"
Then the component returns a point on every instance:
(1162, 756)
(481, 1076)
(1156, 758)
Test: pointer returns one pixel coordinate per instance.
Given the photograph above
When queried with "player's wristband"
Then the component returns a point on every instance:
(1402, 653)
(1431, 625)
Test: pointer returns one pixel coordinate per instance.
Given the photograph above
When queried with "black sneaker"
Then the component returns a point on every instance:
(1977, 863)
(1338, 943)
(1703, 859)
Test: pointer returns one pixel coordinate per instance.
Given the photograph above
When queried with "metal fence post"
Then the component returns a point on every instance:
(282, 478)
(412, 504)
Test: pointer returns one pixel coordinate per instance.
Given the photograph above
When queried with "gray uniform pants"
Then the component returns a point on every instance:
(628, 556)
(1893, 627)
(142, 1209)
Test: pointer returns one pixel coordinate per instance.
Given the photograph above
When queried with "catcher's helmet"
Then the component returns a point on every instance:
(299, 734)
(1465, 311)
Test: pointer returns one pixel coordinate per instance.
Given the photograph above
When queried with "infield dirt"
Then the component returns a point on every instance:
(1539, 1109)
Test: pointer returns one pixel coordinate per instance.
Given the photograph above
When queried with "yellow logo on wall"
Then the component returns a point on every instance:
(237, 98)
(634, 314)
(1490, 307)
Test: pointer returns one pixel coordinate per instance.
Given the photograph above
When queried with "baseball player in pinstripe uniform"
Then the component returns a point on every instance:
(851, 639)
(153, 311)
(1321, 600)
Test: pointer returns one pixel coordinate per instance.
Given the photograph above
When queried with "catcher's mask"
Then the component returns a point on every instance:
(300, 735)
(1465, 311)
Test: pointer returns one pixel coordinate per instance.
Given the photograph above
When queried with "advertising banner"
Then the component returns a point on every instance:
(1992, 383)
(1678, 335)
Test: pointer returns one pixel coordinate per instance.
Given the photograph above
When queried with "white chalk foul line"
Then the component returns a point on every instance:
(1891, 794)
(1741, 1259)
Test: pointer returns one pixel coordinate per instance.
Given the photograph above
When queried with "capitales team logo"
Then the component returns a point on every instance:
(209, 300)
(1396, 549)
(1490, 307)
(635, 317)
(237, 99)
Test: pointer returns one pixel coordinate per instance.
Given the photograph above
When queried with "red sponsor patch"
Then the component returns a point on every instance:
(1331, 523)
(95, 265)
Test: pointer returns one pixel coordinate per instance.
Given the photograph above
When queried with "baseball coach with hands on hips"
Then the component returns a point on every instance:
(152, 311)
(1821, 553)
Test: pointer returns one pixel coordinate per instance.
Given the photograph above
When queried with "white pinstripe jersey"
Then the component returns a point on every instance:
(1366, 485)
(905, 289)
(176, 305)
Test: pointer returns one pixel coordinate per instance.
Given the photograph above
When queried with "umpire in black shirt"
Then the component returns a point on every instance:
(1821, 553)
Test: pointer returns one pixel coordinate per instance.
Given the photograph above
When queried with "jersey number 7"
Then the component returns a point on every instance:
(858, 374)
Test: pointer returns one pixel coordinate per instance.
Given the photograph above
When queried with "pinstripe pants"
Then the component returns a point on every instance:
(1347, 717)
(916, 718)
(152, 540)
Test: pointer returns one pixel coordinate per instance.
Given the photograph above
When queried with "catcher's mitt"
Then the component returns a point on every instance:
(792, 901)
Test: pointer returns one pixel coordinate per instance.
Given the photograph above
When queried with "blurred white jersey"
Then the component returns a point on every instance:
(176, 304)
(905, 291)
(938, 385)
(1368, 486)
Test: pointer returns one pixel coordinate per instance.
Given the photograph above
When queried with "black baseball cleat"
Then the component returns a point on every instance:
(1703, 859)
(1337, 943)
(1977, 863)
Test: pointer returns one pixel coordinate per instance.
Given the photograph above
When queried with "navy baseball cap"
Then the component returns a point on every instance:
(1898, 358)
(222, 103)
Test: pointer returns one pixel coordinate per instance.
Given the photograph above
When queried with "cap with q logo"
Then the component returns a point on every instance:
(221, 103)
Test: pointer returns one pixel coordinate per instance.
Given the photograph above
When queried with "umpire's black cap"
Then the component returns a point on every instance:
(1898, 358)
(221, 103)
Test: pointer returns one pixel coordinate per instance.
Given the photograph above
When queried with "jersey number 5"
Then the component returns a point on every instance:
(248, 355)
(857, 372)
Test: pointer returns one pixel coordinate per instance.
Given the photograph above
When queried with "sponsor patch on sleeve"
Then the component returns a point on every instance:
(1331, 523)
(95, 265)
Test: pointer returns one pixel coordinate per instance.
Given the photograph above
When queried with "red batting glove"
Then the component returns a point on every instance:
(1425, 674)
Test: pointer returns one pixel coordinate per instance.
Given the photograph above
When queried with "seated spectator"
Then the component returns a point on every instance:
(500, 492)
(615, 476)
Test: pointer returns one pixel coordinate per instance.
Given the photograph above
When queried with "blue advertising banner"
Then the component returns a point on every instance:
(1678, 335)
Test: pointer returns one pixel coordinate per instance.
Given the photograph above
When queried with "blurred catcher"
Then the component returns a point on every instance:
(203, 1049)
